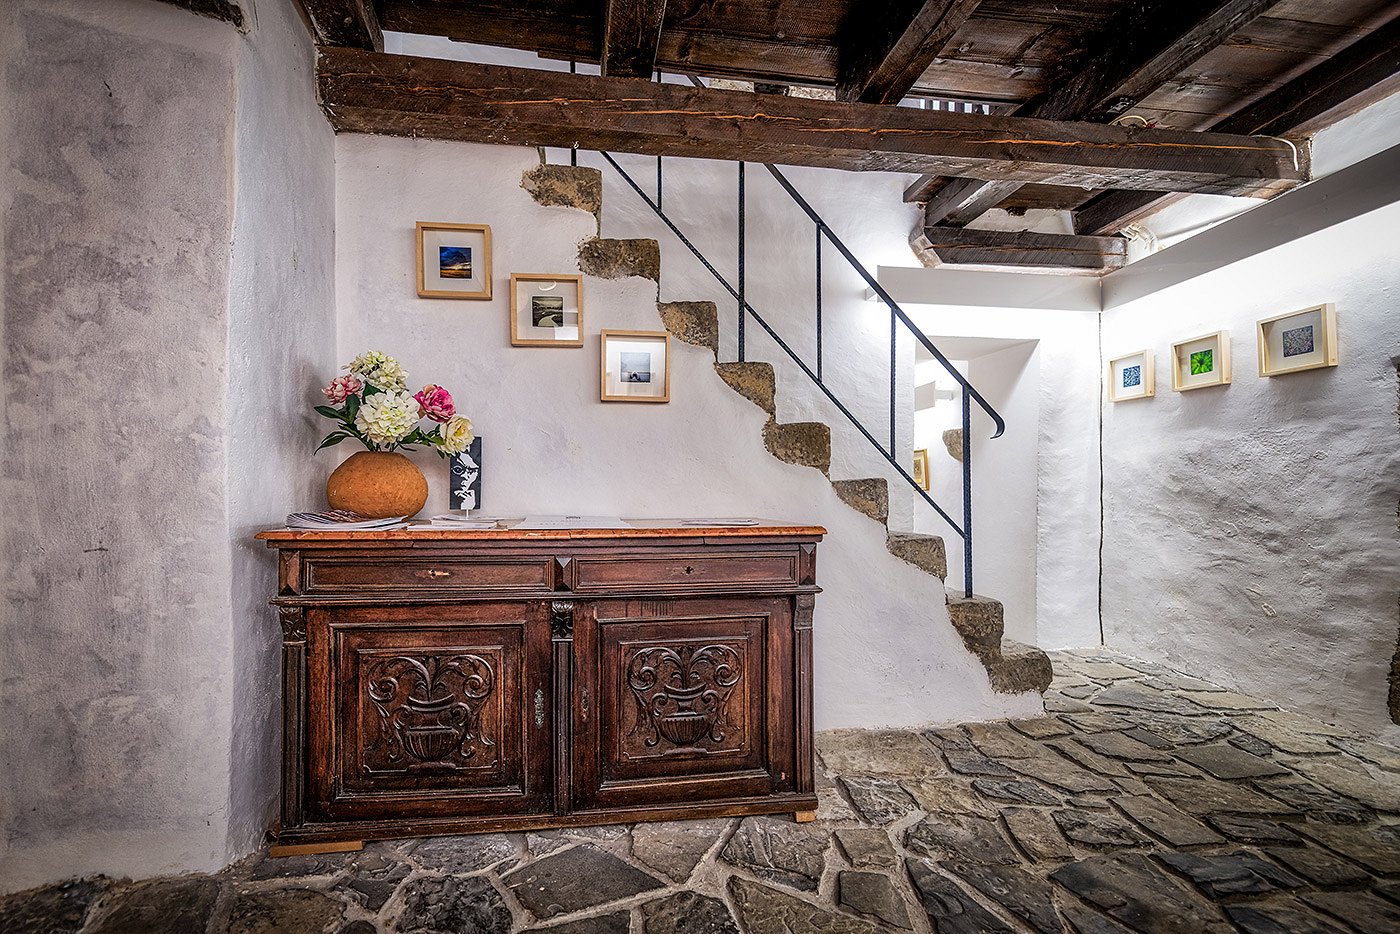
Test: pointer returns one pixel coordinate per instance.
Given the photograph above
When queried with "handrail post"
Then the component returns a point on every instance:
(894, 343)
(819, 303)
(967, 493)
(742, 316)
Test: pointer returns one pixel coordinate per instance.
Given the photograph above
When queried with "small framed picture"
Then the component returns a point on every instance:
(1201, 361)
(636, 366)
(921, 468)
(546, 310)
(1133, 376)
(454, 260)
(1300, 340)
(465, 477)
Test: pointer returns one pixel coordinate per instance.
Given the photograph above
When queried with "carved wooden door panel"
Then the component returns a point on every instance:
(432, 711)
(686, 699)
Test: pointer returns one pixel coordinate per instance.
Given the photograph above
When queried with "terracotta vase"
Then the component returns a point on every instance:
(378, 484)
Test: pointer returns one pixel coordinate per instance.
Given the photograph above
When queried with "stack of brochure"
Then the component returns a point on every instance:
(718, 523)
(462, 519)
(340, 520)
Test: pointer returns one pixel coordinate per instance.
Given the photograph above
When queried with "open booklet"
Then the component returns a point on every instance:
(340, 520)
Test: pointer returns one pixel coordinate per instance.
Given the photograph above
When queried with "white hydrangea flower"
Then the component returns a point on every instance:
(387, 417)
(457, 435)
(379, 370)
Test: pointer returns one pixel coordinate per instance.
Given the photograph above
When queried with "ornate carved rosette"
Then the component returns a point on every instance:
(429, 707)
(682, 691)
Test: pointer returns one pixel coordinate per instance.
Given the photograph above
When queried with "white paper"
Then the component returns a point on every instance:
(571, 522)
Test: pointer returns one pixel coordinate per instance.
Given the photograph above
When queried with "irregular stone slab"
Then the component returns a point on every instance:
(877, 799)
(466, 854)
(1361, 910)
(1172, 825)
(1058, 703)
(1169, 769)
(954, 835)
(1238, 873)
(575, 879)
(1252, 745)
(1208, 796)
(768, 911)
(1130, 888)
(1225, 761)
(1354, 782)
(872, 894)
(1134, 695)
(365, 927)
(1304, 724)
(373, 877)
(1284, 739)
(1252, 829)
(953, 441)
(448, 904)
(949, 739)
(300, 910)
(1118, 746)
(950, 909)
(1036, 834)
(693, 322)
(1063, 774)
(180, 904)
(52, 909)
(619, 922)
(806, 444)
(1017, 790)
(830, 805)
(943, 796)
(779, 851)
(568, 186)
(1149, 739)
(1387, 757)
(1097, 828)
(675, 848)
(687, 913)
(1081, 691)
(865, 848)
(976, 764)
(869, 496)
(928, 553)
(1133, 786)
(1095, 721)
(1227, 700)
(1317, 802)
(1318, 865)
(1089, 759)
(1087, 921)
(617, 259)
(1040, 728)
(1377, 848)
(1016, 890)
(1263, 918)
(1000, 741)
(1178, 730)
(298, 867)
(1106, 671)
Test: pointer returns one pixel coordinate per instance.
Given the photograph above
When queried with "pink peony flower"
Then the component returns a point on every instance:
(436, 403)
(342, 387)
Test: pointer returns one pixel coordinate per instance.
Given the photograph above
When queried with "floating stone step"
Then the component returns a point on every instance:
(926, 552)
(754, 381)
(953, 441)
(566, 186)
(1012, 667)
(618, 259)
(1020, 668)
(870, 496)
(979, 620)
(807, 444)
(693, 322)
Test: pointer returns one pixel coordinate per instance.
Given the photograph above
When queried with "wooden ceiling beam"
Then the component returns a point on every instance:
(964, 246)
(401, 95)
(1359, 75)
(883, 53)
(631, 33)
(353, 23)
(1144, 48)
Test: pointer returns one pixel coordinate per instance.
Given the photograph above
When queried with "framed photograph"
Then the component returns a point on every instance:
(546, 310)
(1300, 340)
(636, 366)
(465, 477)
(454, 260)
(1201, 361)
(1133, 376)
(921, 468)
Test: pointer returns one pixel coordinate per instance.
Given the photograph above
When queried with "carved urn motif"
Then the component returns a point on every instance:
(430, 707)
(682, 691)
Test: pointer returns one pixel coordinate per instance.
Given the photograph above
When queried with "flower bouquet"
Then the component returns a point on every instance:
(372, 404)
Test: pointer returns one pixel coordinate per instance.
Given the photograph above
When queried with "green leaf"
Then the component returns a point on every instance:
(352, 405)
(371, 389)
(328, 412)
(332, 439)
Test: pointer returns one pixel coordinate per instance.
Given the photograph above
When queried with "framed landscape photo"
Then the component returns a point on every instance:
(1132, 376)
(1201, 361)
(636, 366)
(1300, 340)
(921, 468)
(454, 260)
(546, 310)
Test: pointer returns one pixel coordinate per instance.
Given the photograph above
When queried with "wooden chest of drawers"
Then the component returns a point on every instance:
(445, 681)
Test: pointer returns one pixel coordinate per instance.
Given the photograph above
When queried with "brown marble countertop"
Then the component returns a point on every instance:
(640, 528)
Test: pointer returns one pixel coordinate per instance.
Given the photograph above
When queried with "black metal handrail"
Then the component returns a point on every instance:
(897, 317)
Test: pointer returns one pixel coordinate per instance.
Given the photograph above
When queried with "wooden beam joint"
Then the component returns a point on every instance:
(1021, 249)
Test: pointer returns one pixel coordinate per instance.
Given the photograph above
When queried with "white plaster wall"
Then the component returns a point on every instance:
(115, 649)
(281, 342)
(886, 654)
(1250, 531)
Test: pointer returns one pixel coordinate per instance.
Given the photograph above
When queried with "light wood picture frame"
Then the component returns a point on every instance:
(537, 300)
(921, 468)
(635, 366)
(1201, 362)
(1298, 341)
(454, 260)
(1132, 376)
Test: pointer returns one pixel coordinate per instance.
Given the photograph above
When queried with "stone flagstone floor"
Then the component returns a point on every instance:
(1144, 801)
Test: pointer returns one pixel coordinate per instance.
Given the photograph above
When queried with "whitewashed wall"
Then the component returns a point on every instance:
(1250, 531)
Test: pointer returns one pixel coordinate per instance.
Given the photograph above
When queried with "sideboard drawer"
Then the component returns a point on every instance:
(350, 574)
(672, 571)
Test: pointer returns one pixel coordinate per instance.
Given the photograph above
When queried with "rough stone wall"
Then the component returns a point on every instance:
(1394, 698)
(1250, 531)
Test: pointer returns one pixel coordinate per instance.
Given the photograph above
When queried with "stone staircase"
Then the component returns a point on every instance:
(1013, 667)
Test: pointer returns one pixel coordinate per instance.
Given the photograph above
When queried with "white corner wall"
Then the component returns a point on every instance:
(1250, 531)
